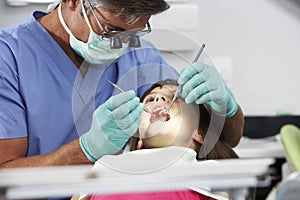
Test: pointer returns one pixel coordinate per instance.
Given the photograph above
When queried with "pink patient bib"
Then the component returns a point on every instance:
(168, 195)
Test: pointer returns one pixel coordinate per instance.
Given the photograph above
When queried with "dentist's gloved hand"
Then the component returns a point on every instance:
(203, 84)
(114, 122)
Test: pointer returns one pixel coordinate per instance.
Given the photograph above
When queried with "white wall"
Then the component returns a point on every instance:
(259, 41)
(262, 37)
(9, 14)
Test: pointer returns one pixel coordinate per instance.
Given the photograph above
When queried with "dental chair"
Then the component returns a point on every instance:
(289, 188)
(290, 138)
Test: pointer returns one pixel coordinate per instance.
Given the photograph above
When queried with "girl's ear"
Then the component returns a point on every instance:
(140, 144)
(198, 137)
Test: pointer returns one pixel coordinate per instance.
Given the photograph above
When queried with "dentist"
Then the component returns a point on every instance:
(57, 107)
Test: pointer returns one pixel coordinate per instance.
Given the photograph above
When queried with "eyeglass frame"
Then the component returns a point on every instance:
(115, 36)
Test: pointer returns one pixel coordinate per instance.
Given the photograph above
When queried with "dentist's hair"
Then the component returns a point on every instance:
(130, 10)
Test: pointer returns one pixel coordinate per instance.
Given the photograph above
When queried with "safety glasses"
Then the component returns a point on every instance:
(132, 37)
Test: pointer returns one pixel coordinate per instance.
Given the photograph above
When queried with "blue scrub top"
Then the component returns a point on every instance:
(44, 97)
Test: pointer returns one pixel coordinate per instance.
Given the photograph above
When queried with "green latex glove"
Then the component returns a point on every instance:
(203, 84)
(113, 123)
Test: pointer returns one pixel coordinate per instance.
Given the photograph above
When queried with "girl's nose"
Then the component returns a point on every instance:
(160, 98)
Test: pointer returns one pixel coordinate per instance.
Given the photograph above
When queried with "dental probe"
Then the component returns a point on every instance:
(179, 88)
(121, 90)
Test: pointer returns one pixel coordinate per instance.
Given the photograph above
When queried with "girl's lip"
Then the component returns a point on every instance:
(157, 106)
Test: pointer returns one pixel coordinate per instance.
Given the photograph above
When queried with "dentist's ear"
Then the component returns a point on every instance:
(72, 4)
(140, 144)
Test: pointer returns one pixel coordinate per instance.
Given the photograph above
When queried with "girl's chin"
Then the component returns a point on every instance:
(159, 127)
(155, 128)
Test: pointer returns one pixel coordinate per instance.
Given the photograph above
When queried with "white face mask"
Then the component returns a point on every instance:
(97, 49)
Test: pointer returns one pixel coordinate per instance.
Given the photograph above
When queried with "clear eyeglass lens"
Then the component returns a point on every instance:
(132, 37)
(124, 34)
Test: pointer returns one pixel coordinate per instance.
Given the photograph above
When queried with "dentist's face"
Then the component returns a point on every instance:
(175, 128)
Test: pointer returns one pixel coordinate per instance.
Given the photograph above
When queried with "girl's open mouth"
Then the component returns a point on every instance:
(159, 113)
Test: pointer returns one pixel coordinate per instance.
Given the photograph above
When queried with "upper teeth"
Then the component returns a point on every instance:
(158, 109)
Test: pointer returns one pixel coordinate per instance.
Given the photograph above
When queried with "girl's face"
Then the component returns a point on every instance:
(174, 128)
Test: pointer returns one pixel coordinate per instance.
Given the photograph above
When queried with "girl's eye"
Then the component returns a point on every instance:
(148, 99)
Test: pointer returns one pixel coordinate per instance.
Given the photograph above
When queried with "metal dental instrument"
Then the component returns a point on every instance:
(115, 86)
(179, 89)
(121, 90)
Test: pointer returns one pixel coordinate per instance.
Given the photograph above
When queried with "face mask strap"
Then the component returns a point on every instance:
(85, 15)
(62, 21)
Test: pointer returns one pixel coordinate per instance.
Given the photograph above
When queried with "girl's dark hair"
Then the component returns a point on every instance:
(220, 150)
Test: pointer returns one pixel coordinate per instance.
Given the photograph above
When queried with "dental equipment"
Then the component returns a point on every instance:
(179, 89)
(121, 90)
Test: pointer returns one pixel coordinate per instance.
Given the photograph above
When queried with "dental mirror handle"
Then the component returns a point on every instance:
(179, 88)
(199, 53)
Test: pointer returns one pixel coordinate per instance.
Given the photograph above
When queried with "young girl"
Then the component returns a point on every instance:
(183, 125)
